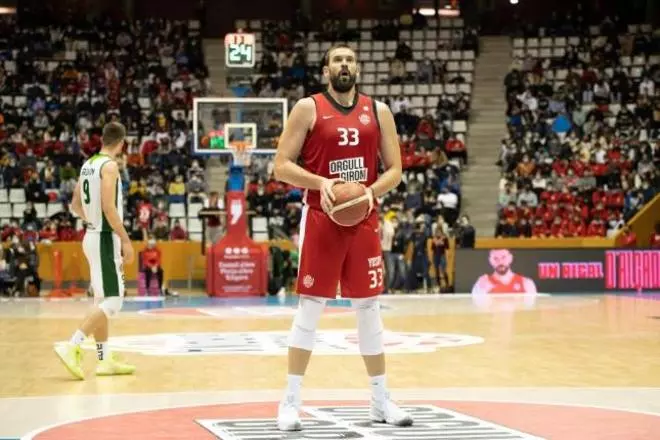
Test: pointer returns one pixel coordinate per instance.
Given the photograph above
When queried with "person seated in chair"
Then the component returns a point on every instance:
(151, 265)
(7, 279)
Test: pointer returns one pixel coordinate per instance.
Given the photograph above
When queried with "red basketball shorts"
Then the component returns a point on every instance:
(332, 255)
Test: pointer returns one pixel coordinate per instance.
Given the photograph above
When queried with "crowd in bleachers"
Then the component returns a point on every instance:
(59, 85)
(582, 154)
(423, 69)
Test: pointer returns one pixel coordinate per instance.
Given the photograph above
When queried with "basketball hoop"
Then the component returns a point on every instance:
(240, 154)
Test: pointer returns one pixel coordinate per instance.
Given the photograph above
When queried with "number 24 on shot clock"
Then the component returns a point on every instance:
(239, 50)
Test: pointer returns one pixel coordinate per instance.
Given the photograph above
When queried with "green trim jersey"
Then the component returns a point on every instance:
(90, 194)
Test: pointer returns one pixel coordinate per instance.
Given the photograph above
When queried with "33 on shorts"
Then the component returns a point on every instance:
(332, 255)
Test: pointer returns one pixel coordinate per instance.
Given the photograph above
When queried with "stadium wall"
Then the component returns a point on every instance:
(544, 243)
(181, 260)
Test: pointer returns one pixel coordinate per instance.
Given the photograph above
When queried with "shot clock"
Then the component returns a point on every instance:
(240, 50)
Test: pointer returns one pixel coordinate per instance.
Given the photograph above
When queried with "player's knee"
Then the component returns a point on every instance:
(370, 326)
(111, 306)
(303, 331)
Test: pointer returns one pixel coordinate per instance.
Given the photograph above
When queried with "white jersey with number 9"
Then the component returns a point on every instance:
(90, 194)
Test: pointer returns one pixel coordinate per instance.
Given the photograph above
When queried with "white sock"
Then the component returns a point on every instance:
(78, 338)
(293, 385)
(102, 350)
(378, 387)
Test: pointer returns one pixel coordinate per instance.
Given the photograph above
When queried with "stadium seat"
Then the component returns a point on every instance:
(17, 195)
(193, 209)
(459, 127)
(177, 210)
(41, 209)
(194, 225)
(6, 210)
(53, 208)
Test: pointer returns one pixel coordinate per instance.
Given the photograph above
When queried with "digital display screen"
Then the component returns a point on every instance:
(556, 270)
(240, 50)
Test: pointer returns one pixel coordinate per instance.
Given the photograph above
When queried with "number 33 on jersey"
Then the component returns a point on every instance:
(344, 142)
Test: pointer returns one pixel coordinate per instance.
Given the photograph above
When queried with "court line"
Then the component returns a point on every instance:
(31, 435)
(406, 391)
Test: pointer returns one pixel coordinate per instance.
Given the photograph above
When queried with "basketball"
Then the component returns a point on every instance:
(351, 203)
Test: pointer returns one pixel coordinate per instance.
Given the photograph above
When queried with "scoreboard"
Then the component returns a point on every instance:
(240, 50)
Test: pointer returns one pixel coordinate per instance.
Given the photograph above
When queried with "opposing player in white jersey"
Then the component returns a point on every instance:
(97, 200)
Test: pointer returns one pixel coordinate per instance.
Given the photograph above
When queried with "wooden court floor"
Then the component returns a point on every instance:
(194, 345)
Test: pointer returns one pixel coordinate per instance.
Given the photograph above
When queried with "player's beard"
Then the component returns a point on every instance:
(343, 81)
(502, 269)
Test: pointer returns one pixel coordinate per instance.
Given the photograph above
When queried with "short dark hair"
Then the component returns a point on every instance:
(113, 133)
(335, 47)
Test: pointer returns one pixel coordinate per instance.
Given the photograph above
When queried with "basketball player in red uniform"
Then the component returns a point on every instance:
(339, 135)
(503, 279)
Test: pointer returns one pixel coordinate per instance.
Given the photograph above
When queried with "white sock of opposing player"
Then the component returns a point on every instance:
(102, 351)
(293, 385)
(378, 387)
(77, 338)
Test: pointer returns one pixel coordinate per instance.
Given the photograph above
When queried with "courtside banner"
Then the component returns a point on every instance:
(556, 270)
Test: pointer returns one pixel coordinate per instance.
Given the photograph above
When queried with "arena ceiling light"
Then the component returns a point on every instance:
(514, 2)
(429, 12)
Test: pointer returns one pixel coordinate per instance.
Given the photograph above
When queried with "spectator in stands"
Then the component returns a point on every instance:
(30, 216)
(177, 190)
(213, 223)
(440, 247)
(7, 279)
(455, 148)
(403, 52)
(527, 197)
(426, 71)
(654, 238)
(48, 232)
(448, 205)
(402, 232)
(465, 233)
(628, 238)
(397, 71)
(24, 267)
(177, 232)
(420, 244)
(196, 189)
(506, 228)
(160, 228)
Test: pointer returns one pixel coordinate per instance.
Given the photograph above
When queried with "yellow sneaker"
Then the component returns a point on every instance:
(113, 367)
(71, 357)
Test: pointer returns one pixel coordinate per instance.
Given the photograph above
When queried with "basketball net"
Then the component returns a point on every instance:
(240, 154)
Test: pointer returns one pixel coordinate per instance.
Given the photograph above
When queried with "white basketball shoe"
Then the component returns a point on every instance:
(288, 417)
(386, 411)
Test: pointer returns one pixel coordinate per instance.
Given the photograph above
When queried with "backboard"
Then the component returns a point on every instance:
(253, 123)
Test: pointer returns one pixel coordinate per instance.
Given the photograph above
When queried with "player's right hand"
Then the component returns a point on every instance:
(127, 252)
(327, 196)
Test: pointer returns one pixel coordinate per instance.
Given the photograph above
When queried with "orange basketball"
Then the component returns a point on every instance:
(351, 203)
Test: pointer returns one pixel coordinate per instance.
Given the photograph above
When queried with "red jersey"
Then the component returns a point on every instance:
(343, 143)
(151, 257)
(654, 241)
(515, 285)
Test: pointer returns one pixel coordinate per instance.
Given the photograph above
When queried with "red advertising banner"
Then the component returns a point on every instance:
(236, 264)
